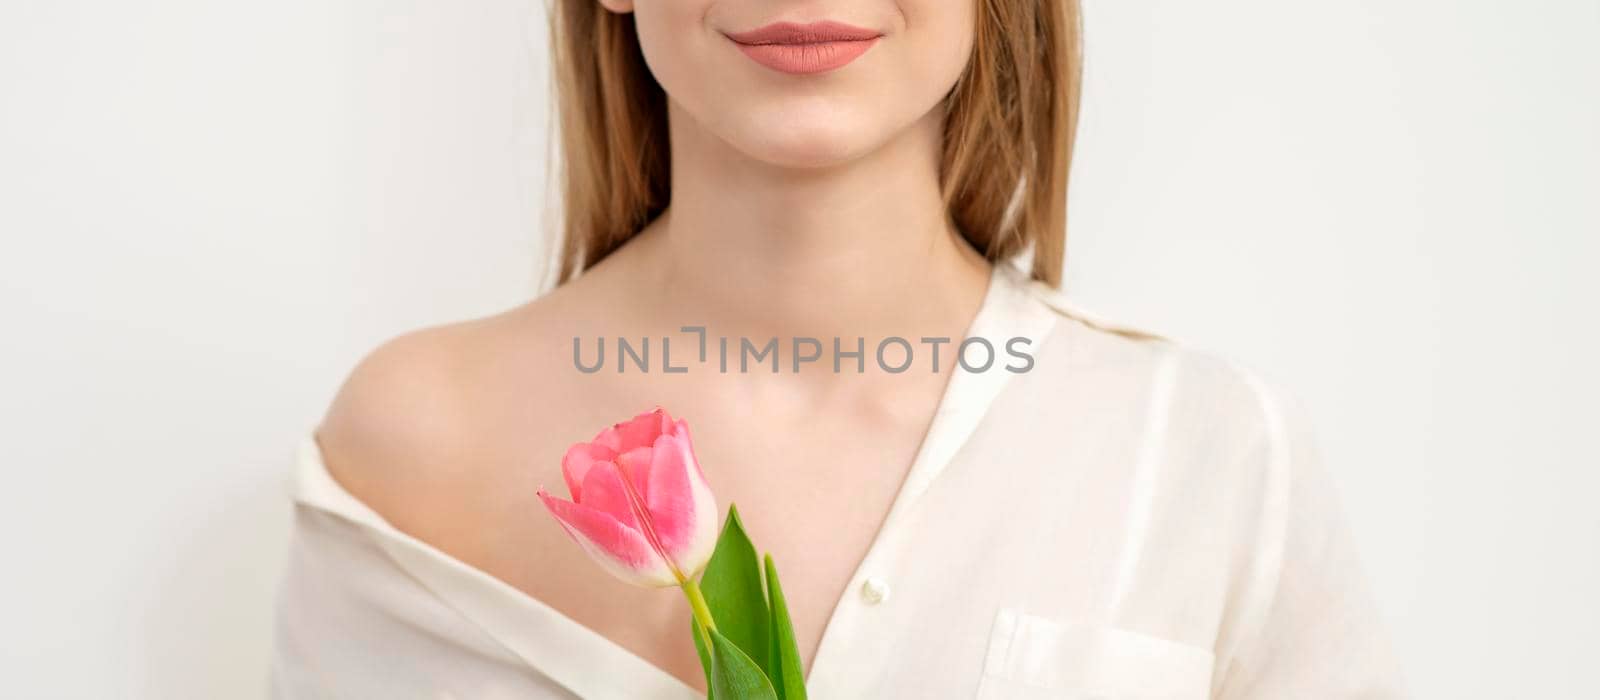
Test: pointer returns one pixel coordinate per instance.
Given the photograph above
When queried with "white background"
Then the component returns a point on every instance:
(210, 210)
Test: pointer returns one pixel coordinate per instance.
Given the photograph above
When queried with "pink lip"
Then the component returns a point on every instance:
(804, 49)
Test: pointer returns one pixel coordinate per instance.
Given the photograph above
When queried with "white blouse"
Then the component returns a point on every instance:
(1132, 518)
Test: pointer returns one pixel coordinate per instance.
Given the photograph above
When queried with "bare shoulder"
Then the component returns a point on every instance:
(400, 414)
(447, 430)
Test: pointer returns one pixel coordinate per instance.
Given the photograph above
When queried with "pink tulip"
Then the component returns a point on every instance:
(640, 503)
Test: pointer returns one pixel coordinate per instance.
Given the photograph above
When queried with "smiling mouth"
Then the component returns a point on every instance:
(805, 49)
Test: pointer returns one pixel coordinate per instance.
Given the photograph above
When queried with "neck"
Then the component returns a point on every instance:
(861, 247)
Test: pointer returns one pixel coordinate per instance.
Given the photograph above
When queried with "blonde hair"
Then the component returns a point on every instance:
(1010, 122)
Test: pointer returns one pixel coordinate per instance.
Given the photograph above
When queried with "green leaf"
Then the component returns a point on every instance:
(786, 671)
(735, 594)
(734, 675)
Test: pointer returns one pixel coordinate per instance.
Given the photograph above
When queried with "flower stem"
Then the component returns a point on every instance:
(697, 602)
(702, 613)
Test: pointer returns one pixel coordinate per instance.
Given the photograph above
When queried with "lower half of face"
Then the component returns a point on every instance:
(805, 84)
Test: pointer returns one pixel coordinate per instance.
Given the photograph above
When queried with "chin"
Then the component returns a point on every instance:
(801, 138)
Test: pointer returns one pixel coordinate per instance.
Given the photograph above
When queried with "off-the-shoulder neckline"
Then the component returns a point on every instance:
(592, 665)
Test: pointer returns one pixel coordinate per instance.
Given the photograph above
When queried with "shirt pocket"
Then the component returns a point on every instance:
(1032, 657)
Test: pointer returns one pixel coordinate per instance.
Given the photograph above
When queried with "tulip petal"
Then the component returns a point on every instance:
(635, 465)
(620, 550)
(609, 438)
(577, 462)
(681, 429)
(682, 508)
(639, 431)
(604, 491)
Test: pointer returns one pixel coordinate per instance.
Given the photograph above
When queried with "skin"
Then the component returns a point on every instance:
(801, 206)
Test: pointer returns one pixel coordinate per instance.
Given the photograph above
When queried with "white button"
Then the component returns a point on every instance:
(874, 590)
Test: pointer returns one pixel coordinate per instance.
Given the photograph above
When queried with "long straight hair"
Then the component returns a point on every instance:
(1008, 134)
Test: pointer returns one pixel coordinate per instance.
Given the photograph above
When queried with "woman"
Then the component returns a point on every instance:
(1099, 511)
